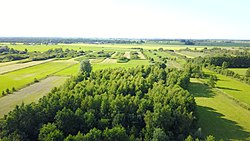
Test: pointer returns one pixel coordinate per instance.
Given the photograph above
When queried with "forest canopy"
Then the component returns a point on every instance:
(142, 103)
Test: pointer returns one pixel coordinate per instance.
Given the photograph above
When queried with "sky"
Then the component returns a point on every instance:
(168, 19)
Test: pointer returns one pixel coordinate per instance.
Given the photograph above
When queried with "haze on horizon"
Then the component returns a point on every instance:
(189, 19)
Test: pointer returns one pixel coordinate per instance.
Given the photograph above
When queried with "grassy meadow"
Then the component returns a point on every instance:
(23, 77)
(232, 87)
(219, 115)
(240, 71)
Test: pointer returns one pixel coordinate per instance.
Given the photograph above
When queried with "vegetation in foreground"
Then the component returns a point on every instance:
(143, 103)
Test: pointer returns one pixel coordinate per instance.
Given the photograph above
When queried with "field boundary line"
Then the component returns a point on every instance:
(235, 100)
(27, 67)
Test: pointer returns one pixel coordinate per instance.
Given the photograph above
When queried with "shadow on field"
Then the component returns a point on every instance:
(199, 90)
(225, 88)
(213, 123)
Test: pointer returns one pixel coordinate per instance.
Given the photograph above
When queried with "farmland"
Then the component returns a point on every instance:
(232, 87)
(29, 94)
(23, 77)
(240, 71)
(216, 117)
(215, 105)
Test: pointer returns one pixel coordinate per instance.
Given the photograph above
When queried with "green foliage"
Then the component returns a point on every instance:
(122, 60)
(224, 65)
(117, 133)
(111, 104)
(211, 82)
(210, 138)
(36, 80)
(49, 132)
(85, 67)
(248, 72)
(7, 91)
(159, 135)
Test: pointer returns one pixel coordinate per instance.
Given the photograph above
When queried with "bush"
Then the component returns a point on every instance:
(122, 60)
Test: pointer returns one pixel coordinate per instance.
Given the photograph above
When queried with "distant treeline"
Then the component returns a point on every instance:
(46, 40)
(230, 61)
(9, 54)
(193, 42)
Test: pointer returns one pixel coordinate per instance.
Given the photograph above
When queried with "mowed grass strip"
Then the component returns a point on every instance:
(219, 115)
(234, 88)
(17, 66)
(240, 71)
(74, 70)
(21, 78)
(29, 94)
(129, 64)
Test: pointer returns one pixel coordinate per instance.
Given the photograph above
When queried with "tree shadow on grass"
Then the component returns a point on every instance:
(213, 123)
(199, 90)
(225, 88)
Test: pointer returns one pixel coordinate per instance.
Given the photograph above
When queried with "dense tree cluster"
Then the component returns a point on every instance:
(55, 53)
(142, 103)
(227, 72)
(232, 62)
(10, 54)
(53, 40)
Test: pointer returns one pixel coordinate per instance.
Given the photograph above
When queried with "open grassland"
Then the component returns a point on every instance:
(107, 47)
(73, 70)
(219, 115)
(173, 64)
(240, 71)
(12, 62)
(17, 66)
(108, 61)
(127, 54)
(190, 54)
(141, 55)
(232, 87)
(29, 94)
(21, 78)
(129, 64)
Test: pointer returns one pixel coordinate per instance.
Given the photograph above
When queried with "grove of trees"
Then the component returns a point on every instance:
(142, 103)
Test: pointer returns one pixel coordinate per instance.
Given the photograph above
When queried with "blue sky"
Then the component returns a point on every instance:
(190, 19)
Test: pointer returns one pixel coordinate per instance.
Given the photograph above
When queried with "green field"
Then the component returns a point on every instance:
(29, 94)
(21, 78)
(107, 47)
(234, 88)
(219, 115)
(190, 54)
(240, 71)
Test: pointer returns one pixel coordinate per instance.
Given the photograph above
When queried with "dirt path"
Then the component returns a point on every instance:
(29, 94)
(108, 61)
(13, 67)
(141, 55)
(127, 54)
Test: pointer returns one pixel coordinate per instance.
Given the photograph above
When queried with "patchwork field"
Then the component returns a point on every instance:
(23, 77)
(29, 94)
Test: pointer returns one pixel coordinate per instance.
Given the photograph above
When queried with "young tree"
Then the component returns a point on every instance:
(248, 72)
(211, 82)
(7, 91)
(85, 67)
(225, 65)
